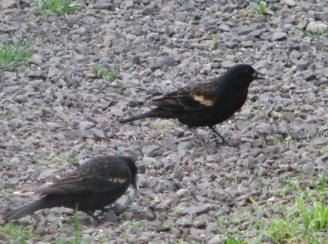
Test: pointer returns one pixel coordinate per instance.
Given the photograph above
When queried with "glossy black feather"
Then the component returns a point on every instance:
(205, 104)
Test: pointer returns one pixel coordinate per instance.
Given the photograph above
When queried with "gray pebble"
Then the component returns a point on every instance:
(279, 36)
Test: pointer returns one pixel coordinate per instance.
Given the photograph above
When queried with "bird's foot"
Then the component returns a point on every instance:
(200, 140)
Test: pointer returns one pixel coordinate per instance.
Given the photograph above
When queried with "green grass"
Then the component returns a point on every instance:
(60, 159)
(313, 34)
(12, 53)
(234, 240)
(169, 224)
(178, 209)
(259, 10)
(278, 140)
(216, 38)
(301, 224)
(77, 237)
(108, 74)
(16, 234)
(257, 110)
(163, 125)
(324, 150)
(303, 219)
(57, 7)
(135, 223)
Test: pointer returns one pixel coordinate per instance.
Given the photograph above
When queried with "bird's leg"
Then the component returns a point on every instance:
(199, 137)
(218, 134)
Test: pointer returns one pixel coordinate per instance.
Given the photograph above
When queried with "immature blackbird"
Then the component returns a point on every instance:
(205, 104)
(94, 185)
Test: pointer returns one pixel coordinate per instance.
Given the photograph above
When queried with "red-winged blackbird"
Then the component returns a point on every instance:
(94, 185)
(205, 104)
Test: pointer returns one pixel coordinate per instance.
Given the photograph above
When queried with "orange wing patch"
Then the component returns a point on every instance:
(203, 100)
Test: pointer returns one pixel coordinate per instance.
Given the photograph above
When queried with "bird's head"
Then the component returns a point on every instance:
(242, 75)
(133, 168)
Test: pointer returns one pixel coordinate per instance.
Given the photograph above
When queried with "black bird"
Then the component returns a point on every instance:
(205, 104)
(94, 185)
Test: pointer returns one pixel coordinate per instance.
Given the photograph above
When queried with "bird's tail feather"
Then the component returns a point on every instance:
(25, 210)
(151, 113)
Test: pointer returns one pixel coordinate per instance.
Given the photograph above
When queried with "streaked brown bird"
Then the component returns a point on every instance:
(94, 185)
(205, 104)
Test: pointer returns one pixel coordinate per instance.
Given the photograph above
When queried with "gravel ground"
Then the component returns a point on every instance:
(54, 111)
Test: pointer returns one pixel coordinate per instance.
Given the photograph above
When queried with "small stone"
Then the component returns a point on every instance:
(36, 59)
(217, 239)
(279, 36)
(184, 221)
(309, 76)
(212, 228)
(302, 65)
(152, 150)
(158, 73)
(107, 4)
(167, 61)
(197, 209)
(289, 3)
(308, 169)
(264, 129)
(182, 192)
(127, 4)
(85, 125)
(8, 4)
(316, 26)
(201, 221)
(21, 98)
(110, 216)
(227, 64)
(99, 133)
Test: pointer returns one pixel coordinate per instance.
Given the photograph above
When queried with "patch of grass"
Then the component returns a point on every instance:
(216, 38)
(282, 230)
(78, 237)
(277, 140)
(136, 224)
(257, 110)
(55, 159)
(65, 160)
(17, 234)
(315, 219)
(259, 10)
(13, 53)
(178, 209)
(169, 224)
(57, 7)
(125, 235)
(5, 192)
(313, 34)
(234, 240)
(303, 224)
(324, 150)
(298, 110)
(303, 219)
(105, 73)
(292, 185)
(163, 125)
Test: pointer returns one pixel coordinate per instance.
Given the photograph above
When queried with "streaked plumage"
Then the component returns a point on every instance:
(94, 185)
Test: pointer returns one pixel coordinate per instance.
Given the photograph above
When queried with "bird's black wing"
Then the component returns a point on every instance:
(199, 97)
(89, 180)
